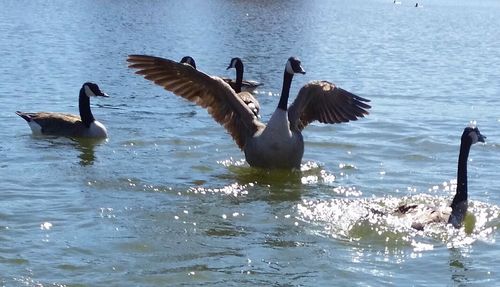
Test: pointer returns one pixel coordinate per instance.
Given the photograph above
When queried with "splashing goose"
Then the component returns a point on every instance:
(279, 145)
(424, 215)
(246, 96)
(60, 124)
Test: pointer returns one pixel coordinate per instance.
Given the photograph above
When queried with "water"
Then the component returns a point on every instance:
(167, 199)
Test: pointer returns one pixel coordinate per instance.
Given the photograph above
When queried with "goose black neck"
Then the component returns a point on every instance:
(285, 91)
(84, 106)
(239, 77)
(461, 194)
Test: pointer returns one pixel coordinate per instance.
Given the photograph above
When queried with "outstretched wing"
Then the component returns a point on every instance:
(326, 103)
(211, 93)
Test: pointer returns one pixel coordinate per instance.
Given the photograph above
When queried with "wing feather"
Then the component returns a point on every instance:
(324, 102)
(212, 93)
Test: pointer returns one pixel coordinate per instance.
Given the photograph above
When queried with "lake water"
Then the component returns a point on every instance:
(167, 200)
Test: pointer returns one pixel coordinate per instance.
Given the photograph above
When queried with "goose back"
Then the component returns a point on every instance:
(60, 124)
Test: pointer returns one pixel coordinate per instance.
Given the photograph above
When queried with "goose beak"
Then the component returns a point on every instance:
(228, 67)
(103, 95)
(301, 71)
(481, 138)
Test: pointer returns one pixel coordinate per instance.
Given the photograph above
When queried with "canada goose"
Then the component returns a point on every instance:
(59, 124)
(423, 215)
(239, 84)
(246, 96)
(243, 88)
(188, 60)
(280, 143)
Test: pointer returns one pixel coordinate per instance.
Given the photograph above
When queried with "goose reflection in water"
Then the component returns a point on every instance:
(86, 148)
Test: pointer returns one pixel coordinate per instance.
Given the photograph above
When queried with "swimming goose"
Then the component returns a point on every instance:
(246, 86)
(239, 84)
(423, 215)
(246, 96)
(59, 124)
(280, 143)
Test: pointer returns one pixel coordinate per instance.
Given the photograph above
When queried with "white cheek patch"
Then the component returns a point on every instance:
(233, 63)
(289, 68)
(89, 92)
(189, 61)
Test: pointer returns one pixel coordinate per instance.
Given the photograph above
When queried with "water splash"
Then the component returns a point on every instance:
(375, 220)
(234, 189)
(310, 173)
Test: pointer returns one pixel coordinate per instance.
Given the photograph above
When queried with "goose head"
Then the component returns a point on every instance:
(472, 135)
(235, 63)
(188, 60)
(293, 66)
(92, 90)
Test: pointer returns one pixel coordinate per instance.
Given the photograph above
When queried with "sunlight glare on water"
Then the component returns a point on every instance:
(361, 219)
